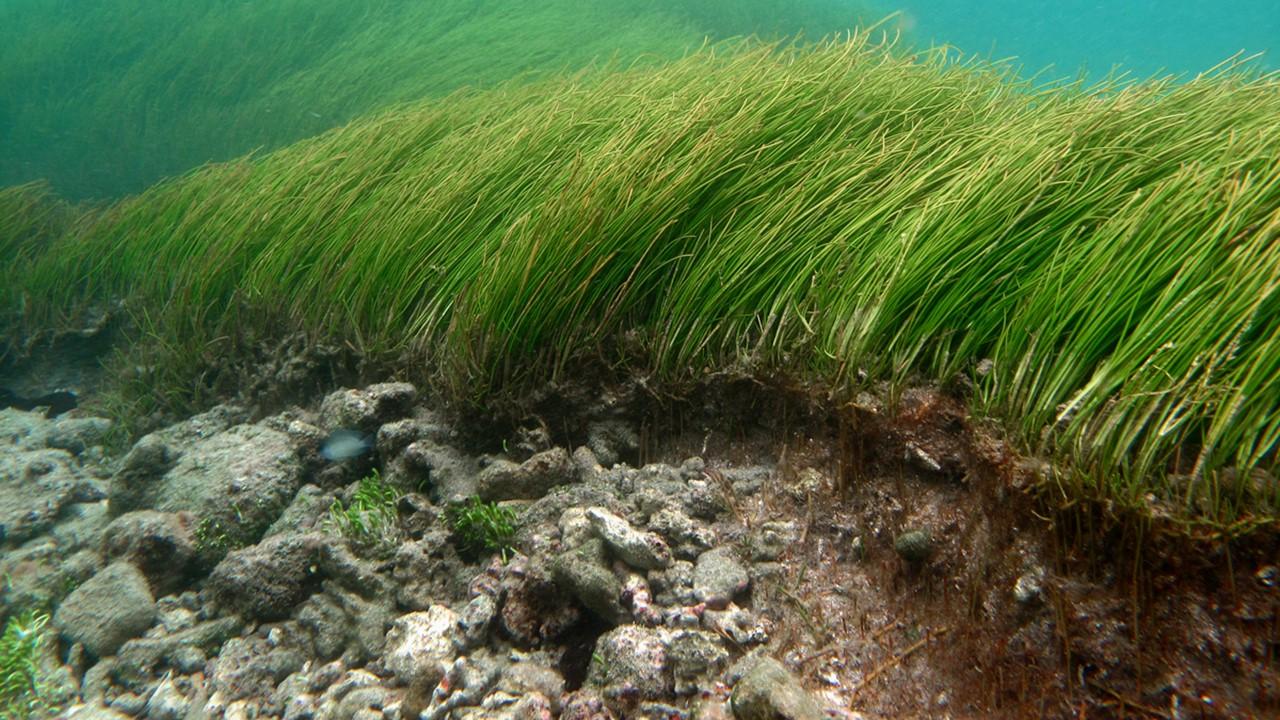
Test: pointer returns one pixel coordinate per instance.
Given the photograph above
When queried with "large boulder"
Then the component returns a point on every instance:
(630, 663)
(769, 691)
(365, 409)
(159, 544)
(35, 487)
(111, 607)
(236, 481)
(266, 581)
(529, 480)
(421, 644)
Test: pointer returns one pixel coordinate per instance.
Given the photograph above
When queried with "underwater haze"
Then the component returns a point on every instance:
(103, 98)
(1143, 37)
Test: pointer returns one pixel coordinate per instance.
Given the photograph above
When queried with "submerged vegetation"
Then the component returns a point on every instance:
(483, 527)
(841, 212)
(105, 97)
(369, 519)
(21, 693)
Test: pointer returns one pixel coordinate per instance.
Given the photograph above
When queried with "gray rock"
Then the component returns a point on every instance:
(773, 539)
(535, 609)
(915, 546)
(586, 463)
(368, 408)
(250, 667)
(342, 623)
(139, 659)
(167, 702)
(37, 575)
(309, 507)
(94, 711)
(449, 475)
(1029, 587)
(530, 480)
(688, 536)
(586, 705)
(75, 435)
(697, 659)
(159, 544)
(585, 575)
(719, 577)
(266, 581)
(476, 619)
(645, 551)
(673, 585)
(35, 487)
(236, 482)
(129, 703)
(421, 644)
(612, 440)
(575, 528)
(108, 609)
(630, 663)
(768, 691)
(428, 569)
(352, 696)
(528, 678)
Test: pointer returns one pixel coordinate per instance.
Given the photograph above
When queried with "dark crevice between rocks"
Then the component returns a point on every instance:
(579, 647)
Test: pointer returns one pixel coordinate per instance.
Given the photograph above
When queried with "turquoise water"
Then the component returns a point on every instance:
(105, 97)
(1145, 37)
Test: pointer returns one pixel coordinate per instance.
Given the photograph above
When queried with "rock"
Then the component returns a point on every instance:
(427, 569)
(697, 659)
(476, 619)
(309, 507)
(689, 537)
(366, 409)
(36, 575)
(719, 577)
(251, 667)
(448, 475)
(737, 624)
(773, 539)
(94, 712)
(586, 462)
(35, 487)
(531, 678)
(575, 528)
(129, 703)
(645, 551)
(1028, 587)
(352, 696)
(612, 441)
(139, 659)
(158, 544)
(167, 702)
(535, 609)
(530, 480)
(674, 585)
(108, 609)
(629, 664)
(266, 581)
(584, 574)
(342, 623)
(236, 482)
(75, 435)
(768, 691)
(585, 705)
(914, 546)
(421, 644)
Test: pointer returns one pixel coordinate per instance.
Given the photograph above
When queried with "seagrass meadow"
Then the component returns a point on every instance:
(842, 212)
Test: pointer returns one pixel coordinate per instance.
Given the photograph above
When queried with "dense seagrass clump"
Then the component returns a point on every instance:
(836, 211)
